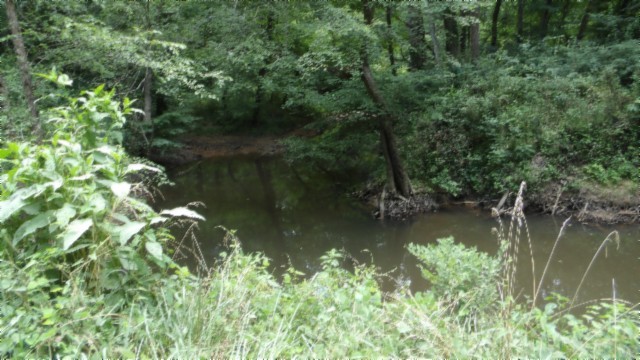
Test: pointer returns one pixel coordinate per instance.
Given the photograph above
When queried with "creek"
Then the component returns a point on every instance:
(294, 215)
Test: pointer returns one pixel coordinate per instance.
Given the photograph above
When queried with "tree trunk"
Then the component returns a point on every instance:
(255, 118)
(464, 36)
(434, 41)
(494, 24)
(622, 7)
(397, 178)
(452, 44)
(4, 92)
(392, 58)
(148, 99)
(585, 21)
(544, 20)
(474, 37)
(23, 64)
(520, 22)
(148, 84)
(564, 13)
(417, 52)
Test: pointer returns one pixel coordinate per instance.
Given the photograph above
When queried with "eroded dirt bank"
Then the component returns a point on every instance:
(203, 147)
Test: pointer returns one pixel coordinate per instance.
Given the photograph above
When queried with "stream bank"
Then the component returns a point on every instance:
(588, 203)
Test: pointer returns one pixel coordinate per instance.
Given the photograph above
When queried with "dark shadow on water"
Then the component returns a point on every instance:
(295, 215)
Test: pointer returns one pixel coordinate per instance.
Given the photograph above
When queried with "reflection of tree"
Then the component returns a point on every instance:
(270, 206)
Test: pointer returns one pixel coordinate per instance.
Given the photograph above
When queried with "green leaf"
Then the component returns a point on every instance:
(154, 248)
(121, 190)
(11, 206)
(30, 226)
(126, 231)
(182, 212)
(138, 167)
(75, 229)
(65, 214)
(64, 80)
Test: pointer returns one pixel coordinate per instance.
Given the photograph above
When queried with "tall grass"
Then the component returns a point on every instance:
(239, 310)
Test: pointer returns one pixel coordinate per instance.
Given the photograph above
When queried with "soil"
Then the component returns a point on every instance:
(591, 203)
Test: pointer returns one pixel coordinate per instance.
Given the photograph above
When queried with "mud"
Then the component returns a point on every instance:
(203, 147)
(591, 203)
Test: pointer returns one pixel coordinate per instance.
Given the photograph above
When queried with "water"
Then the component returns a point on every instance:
(295, 215)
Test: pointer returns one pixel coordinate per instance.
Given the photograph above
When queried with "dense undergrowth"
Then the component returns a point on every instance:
(561, 118)
(86, 272)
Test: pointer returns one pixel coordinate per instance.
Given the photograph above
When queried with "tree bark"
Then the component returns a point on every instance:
(255, 118)
(474, 37)
(397, 178)
(584, 22)
(544, 20)
(494, 24)
(148, 98)
(147, 118)
(4, 92)
(464, 35)
(564, 13)
(434, 41)
(392, 58)
(23, 64)
(520, 22)
(452, 45)
(417, 52)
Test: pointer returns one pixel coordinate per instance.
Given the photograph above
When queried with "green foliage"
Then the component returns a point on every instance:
(76, 243)
(460, 275)
(551, 116)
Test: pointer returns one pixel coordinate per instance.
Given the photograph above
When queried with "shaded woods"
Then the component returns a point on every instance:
(446, 100)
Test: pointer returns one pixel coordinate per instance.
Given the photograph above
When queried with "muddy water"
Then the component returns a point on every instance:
(295, 215)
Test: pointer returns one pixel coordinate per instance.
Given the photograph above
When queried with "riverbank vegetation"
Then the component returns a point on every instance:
(452, 99)
(87, 270)
(457, 99)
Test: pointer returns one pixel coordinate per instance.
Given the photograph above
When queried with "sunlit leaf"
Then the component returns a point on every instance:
(126, 231)
(73, 232)
(138, 167)
(30, 226)
(183, 212)
(9, 207)
(64, 80)
(121, 190)
(154, 248)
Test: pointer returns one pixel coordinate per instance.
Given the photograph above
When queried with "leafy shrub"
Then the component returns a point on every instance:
(458, 274)
(73, 236)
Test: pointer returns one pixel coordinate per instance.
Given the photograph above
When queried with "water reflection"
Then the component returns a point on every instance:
(296, 215)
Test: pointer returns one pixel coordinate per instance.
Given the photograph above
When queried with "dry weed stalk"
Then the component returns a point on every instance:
(546, 267)
(612, 236)
(512, 241)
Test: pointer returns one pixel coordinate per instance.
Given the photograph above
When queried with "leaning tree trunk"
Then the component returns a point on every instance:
(397, 178)
(23, 64)
(494, 24)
